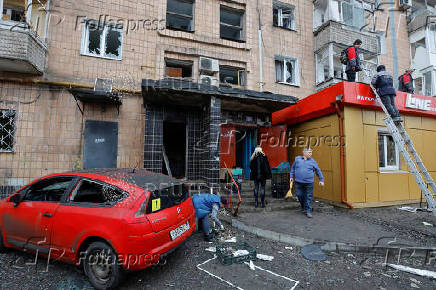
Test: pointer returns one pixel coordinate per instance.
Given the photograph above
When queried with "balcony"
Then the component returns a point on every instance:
(21, 49)
(341, 34)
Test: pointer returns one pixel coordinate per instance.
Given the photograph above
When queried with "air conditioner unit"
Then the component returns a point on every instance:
(405, 4)
(209, 64)
(103, 85)
(208, 80)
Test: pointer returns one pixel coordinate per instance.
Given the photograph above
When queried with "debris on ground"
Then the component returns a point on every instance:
(231, 240)
(289, 248)
(408, 208)
(313, 253)
(424, 273)
(427, 224)
(239, 253)
(415, 281)
(251, 264)
(211, 249)
(264, 257)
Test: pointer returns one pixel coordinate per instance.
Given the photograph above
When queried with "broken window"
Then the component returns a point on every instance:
(7, 130)
(418, 85)
(286, 70)
(102, 40)
(322, 66)
(94, 192)
(284, 15)
(180, 15)
(353, 15)
(232, 75)
(389, 158)
(48, 189)
(432, 37)
(231, 24)
(178, 68)
(418, 48)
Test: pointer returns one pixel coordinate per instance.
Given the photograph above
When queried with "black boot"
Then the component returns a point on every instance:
(256, 202)
(262, 199)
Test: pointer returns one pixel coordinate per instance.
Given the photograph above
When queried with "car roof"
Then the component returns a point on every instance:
(139, 177)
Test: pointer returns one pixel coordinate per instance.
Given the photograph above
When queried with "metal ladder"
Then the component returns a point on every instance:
(416, 166)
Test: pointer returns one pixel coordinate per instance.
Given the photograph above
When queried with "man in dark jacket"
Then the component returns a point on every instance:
(205, 204)
(259, 173)
(353, 63)
(384, 84)
(302, 172)
(405, 82)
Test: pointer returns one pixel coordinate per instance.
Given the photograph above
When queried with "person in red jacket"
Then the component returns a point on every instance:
(405, 82)
(353, 63)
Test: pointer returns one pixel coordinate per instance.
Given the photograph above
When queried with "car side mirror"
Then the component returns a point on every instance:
(16, 199)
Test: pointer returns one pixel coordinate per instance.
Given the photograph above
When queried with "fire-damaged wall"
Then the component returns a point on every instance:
(202, 139)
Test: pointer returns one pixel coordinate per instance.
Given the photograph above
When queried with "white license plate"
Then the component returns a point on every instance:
(179, 231)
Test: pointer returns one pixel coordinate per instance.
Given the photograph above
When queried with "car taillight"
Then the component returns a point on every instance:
(137, 213)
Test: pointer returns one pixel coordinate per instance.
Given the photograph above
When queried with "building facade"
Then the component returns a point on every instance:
(178, 86)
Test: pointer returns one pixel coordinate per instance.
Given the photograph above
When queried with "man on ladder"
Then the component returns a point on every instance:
(384, 84)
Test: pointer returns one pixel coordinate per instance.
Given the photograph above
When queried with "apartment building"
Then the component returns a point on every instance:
(181, 87)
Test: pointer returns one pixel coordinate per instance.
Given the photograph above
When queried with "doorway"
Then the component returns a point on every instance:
(245, 144)
(174, 149)
(100, 145)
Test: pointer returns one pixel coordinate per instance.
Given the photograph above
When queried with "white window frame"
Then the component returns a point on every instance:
(295, 65)
(396, 167)
(281, 7)
(85, 40)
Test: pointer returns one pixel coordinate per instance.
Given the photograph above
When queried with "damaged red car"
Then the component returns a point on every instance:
(107, 221)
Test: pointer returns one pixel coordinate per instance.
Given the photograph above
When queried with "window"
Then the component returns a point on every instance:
(50, 190)
(102, 40)
(7, 130)
(287, 70)
(180, 15)
(94, 192)
(432, 37)
(428, 83)
(232, 75)
(178, 68)
(14, 10)
(353, 15)
(231, 24)
(284, 15)
(389, 158)
(418, 85)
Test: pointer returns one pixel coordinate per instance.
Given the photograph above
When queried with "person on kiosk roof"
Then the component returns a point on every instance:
(353, 62)
(384, 84)
(405, 82)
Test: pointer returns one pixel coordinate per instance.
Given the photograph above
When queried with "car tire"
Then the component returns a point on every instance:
(2, 245)
(101, 266)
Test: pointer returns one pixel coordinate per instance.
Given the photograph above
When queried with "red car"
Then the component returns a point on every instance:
(107, 220)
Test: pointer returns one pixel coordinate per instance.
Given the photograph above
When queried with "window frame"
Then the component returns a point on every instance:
(241, 28)
(181, 63)
(389, 168)
(280, 6)
(77, 184)
(183, 16)
(296, 70)
(85, 39)
(14, 130)
(241, 72)
(67, 191)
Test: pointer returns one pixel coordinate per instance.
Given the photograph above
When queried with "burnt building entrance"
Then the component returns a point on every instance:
(174, 149)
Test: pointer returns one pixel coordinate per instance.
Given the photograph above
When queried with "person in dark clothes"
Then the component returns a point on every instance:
(353, 63)
(260, 171)
(205, 204)
(384, 84)
(302, 172)
(405, 82)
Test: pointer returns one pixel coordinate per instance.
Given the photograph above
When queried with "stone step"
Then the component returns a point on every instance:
(243, 208)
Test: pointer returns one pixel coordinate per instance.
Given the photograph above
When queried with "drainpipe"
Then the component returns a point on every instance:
(341, 150)
(260, 50)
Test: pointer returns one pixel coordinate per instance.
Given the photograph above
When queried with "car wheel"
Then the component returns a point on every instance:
(2, 245)
(101, 266)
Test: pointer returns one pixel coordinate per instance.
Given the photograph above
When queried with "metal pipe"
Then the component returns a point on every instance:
(342, 152)
(69, 85)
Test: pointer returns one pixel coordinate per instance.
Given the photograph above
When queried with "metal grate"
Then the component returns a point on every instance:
(7, 130)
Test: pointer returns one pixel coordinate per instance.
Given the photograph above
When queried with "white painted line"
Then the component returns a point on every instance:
(237, 287)
(277, 275)
(215, 276)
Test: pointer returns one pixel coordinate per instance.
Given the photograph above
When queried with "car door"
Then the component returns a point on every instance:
(90, 209)
(28, 224)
